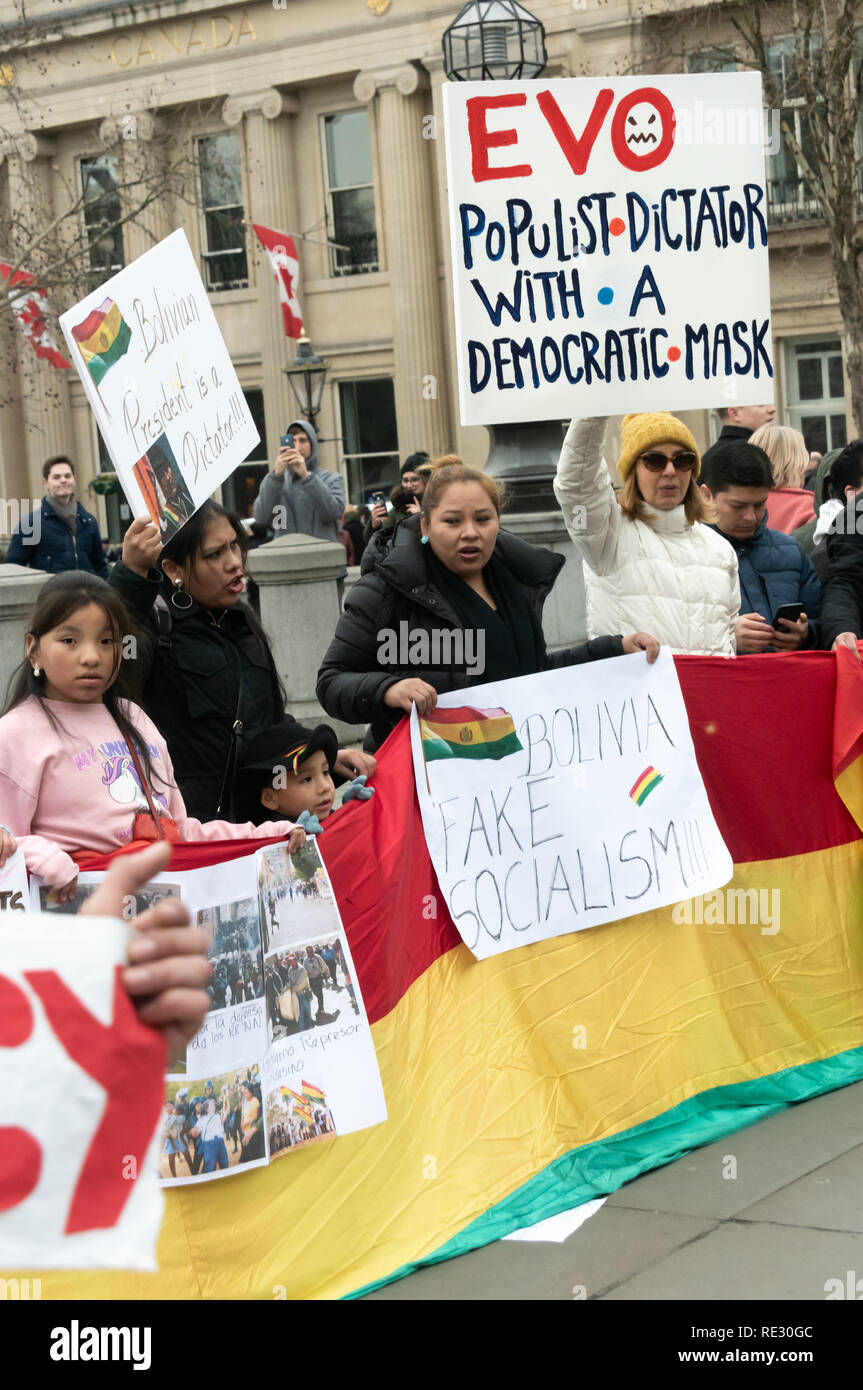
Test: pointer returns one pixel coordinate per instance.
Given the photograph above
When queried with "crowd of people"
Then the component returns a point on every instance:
(186, 735)
(291, 1132)
(199, 1128)
(294, 980)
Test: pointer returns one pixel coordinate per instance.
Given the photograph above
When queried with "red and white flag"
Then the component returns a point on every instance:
(31, 311)
(282, 254)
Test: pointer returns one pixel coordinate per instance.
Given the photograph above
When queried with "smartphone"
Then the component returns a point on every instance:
(379, 500)
(791, 611)
(287, 441)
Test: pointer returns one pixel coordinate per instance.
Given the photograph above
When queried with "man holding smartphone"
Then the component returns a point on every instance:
(779, 590)
(299, 497)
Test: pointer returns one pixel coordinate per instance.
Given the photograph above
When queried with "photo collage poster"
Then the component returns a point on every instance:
(285, 1057)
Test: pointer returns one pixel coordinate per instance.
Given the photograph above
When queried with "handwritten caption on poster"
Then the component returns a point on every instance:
(557, 802)
(160, 381)
(609, 243)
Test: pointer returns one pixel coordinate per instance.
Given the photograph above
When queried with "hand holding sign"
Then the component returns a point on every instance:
(142, 546)
(8, 845)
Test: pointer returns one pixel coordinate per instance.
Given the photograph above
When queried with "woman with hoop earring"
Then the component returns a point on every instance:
(206, 669)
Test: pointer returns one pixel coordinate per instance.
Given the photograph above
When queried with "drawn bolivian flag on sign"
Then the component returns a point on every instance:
(468, 733)
(102, 339)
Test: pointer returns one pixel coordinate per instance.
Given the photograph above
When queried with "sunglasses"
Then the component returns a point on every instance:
(657, 463)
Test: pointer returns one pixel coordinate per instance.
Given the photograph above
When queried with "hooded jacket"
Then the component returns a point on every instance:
(806, 535)
(396, 586)
(842, 596)
(57, 548)
(671, 578)
(774, 571)
(313, 506)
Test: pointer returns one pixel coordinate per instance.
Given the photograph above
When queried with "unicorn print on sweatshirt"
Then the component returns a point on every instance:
(124, 785)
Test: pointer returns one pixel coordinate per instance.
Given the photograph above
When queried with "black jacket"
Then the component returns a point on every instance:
(727, 432)
(57, 548)
(190, 678)
(396, 587)
(842, 591)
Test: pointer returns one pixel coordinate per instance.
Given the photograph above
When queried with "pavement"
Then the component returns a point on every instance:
(773, 1211)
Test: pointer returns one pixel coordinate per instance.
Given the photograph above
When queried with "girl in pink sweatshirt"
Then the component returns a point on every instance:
(68, 780)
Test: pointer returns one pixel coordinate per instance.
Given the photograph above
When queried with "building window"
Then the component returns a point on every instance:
(240, 490)
(790, 197)
(102, 217)
(816, 393)
(368, 411)
(223, 239)
(711, 60)
(350, 193)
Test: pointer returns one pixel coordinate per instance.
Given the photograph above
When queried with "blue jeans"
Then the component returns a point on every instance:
(305, 1020)
(215, 1155)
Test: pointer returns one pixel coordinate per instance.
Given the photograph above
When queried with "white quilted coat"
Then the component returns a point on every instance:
(674, 580)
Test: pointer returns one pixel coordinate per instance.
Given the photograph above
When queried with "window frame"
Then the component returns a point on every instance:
(353, 463)
(98, 274)
(803, 207)
(824, 406)
(203, 240)
(333, 273)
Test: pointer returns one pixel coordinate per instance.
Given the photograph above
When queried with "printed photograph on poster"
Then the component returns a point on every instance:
(211, 1125)
(297, 1116)
(235, 952)
(163, 489)
(48, 899)
(306, 986)
(295, 899)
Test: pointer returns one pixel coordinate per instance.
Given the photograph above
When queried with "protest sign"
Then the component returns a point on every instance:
(14, 893)
(80, 1100)
(557, 802)
(158, 377)
(609, 243)
(285, 1057)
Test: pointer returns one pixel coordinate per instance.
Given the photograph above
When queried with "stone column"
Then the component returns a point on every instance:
(410, 221)
(141, 142)
(19, 590)
(43, 390)
(268, 173)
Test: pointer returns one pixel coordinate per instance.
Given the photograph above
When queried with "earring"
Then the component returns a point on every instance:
(178, 593)
(37, 670)
(424, 540)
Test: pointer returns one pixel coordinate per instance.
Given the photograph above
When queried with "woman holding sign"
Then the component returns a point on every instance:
(208, 674)
(452, 602)
(649, 561)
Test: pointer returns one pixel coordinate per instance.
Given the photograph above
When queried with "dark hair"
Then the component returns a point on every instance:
(52, 462)
(184, 549)
(734, 463)
(846, 470)
(63, 595)
(414, 462)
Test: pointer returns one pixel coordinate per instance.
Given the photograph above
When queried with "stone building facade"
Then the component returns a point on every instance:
(319, 118)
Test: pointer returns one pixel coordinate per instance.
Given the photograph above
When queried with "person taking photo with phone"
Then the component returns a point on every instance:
(299, 497)
(780, 591)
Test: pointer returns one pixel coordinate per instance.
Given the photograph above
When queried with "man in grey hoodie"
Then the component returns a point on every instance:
(299, 497)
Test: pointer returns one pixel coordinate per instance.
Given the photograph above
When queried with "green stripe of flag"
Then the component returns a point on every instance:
(648, 789)
(100, 365)
(437, 749)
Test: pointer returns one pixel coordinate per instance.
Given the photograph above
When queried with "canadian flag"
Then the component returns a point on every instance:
(282, 254)
(31, 310)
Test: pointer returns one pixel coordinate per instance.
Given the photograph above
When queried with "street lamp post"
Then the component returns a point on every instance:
(488, 40)
(307, 374)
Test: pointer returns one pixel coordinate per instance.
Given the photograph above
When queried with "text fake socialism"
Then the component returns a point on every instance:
(608, 233)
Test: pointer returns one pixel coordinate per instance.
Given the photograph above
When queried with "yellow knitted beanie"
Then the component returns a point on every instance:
(641, 433)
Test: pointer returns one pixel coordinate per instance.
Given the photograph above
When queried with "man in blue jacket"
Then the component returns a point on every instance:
(773, 568)
(62, 535)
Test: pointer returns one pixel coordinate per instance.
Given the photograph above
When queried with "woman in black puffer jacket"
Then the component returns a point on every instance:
(451, 591)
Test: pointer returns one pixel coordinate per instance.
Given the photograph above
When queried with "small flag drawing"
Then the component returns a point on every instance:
(312, 1092)
(644, 785)
(468, 733)
(288, 1094)
(102, 339)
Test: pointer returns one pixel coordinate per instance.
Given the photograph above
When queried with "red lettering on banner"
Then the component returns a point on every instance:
(16, 1015)
(629, 158)
(128, 1059)
(20, 1165)
(577, 150)
(482, 139)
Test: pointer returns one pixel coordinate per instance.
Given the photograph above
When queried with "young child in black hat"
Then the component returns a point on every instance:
(289, 765)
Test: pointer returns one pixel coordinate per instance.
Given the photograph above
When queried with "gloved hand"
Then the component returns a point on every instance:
(357, 790)
(309, 823)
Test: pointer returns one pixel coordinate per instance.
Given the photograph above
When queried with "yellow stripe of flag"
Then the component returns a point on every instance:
(489, 731)
(105, 335)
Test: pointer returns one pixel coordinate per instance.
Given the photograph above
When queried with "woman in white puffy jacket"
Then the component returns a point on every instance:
(649, 561)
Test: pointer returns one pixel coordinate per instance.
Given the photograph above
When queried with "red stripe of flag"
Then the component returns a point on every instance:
(82, 331)
(646, 773)
(463, 715)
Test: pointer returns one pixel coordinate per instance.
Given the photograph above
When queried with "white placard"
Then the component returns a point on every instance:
(609, 243)
(586, 808)
(14, 892)
(80, 1082)
(157, 374)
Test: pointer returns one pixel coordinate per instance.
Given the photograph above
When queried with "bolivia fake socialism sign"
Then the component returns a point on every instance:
(557, 802)
(80, 1100)
(609, 244)
(161, 384)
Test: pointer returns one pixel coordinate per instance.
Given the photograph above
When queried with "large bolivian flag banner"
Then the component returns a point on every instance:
(581, 1061)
